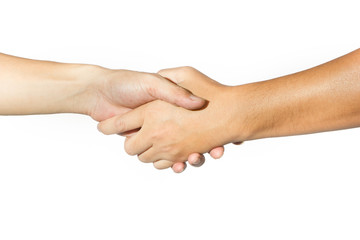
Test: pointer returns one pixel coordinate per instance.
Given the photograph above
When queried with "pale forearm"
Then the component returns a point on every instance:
(323, 98)
(41, 87)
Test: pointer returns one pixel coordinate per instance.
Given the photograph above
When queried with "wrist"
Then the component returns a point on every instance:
(228, 115)
(44, 87)
(85, 82)
(249, 112)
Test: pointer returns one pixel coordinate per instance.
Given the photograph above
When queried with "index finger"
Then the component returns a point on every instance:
(124, 123)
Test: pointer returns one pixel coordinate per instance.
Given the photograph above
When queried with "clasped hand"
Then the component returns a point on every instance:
(164, 134)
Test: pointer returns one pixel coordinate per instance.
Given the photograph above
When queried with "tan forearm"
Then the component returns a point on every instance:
(323, 98)
(39, 87)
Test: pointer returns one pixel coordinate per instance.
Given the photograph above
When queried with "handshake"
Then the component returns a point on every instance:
(179, 114)
(167, 118)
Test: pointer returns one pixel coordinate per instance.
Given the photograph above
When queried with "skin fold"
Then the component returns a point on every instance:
(44, 87)
(323, 98)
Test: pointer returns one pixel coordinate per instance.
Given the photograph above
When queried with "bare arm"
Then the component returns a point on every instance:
(324, 98)
(37, 87)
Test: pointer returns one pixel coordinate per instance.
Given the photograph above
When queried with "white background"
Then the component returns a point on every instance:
(61, 179)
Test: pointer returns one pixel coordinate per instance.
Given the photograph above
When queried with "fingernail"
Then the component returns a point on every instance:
(195, 98)
(199, 160)
(179, 170)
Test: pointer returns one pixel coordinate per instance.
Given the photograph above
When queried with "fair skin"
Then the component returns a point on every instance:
(43, 87)
(324, 98)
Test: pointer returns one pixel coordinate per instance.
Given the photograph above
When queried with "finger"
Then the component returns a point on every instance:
(163, 164)
(148, 156)
(129, 133)
(168, 91)
(137, 144)
(217, 152)
(114, 112)
(124, 123)
(196, 159)
(179, 167)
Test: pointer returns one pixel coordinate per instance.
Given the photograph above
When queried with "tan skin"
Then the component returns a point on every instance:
(323, 98)
(44, 87)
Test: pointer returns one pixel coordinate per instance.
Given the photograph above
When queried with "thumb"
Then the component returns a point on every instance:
(191, 79)
(169, 92)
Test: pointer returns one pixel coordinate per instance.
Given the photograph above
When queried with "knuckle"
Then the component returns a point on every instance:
(174, 152)
(120, 125)
(152, 91)
(129, 149)
(179, 92)
(181, 97)
(167, 149)
(152, 83)
(177, 72)
(157, 165)
(161, 72)
(160, 164)
(143, 158)
(152, 77)
(156, 136)
(187, 69)
(101, 129)
(161, 134)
